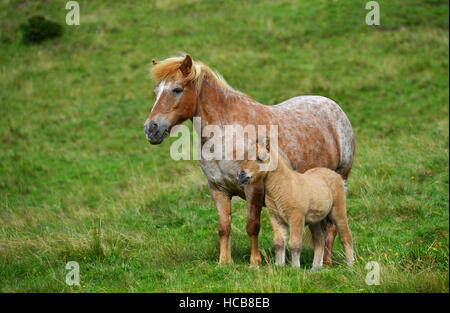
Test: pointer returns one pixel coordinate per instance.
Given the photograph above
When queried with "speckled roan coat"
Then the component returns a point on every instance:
(313, 132)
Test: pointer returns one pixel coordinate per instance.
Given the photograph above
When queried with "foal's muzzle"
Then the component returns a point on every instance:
(155, 132)
(243, 178)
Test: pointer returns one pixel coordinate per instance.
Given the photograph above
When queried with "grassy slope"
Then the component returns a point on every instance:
(78, 181)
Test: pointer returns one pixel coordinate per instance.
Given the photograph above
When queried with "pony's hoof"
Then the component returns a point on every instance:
(316, 268)
(328, 263)
(225, 261)
(255, 260)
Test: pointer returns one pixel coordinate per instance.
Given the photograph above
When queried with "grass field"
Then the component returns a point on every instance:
(79, 182)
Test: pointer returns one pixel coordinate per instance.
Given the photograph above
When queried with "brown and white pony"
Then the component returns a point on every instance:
(313, 131)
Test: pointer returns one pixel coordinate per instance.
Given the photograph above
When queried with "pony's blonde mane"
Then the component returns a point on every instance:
(170, 68)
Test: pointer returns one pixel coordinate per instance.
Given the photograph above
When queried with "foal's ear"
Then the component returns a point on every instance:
(267, 143)
(154, 62)
(186, 65)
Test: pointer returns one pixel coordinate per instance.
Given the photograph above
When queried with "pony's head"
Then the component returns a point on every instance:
(178, 85)
(254, 171)
(176, 95)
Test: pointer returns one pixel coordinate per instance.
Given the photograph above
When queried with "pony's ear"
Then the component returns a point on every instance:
(186, 65)
(154, 62)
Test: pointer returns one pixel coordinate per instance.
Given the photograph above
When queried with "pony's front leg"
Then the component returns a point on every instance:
(223, 205)
(254, 194)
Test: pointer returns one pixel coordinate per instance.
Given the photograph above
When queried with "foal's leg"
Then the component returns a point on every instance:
(297, 224)
(223, 205)
(339, 217)
(254, 194)
(280, 233)
(328, 225)
(318, 237)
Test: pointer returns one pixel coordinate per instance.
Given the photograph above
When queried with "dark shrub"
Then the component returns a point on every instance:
(39, 29)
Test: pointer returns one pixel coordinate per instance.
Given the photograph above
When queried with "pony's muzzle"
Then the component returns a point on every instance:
(155, 132)
(243, 178)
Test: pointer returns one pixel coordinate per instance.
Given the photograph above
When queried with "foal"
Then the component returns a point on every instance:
(296, 200)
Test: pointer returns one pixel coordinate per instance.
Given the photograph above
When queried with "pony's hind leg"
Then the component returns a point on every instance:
(318, 237)
(330, 235)
(280, 233)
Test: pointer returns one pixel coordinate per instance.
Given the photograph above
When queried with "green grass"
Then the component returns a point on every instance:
(79, 182)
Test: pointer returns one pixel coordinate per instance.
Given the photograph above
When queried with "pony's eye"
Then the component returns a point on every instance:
(259, 159)
(177, 90)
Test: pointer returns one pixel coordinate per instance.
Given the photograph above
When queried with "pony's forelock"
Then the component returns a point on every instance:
(170, 69)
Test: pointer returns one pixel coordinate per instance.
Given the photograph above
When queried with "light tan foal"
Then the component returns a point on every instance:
(295, 200)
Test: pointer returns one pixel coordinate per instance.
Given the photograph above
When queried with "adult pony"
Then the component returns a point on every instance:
(313, 131)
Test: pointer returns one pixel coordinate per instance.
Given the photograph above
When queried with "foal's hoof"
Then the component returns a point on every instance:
(315, 268)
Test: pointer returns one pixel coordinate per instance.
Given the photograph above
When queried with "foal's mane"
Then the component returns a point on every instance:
(284, 156)
(170, 68)
(281, 152)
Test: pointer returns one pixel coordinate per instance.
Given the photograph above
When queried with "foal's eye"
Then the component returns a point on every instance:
(177, 90)
(259, 159)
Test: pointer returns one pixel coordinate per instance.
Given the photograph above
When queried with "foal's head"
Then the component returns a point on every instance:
(254, 171)
(176, 96)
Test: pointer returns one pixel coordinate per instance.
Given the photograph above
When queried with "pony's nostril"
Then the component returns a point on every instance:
(156, 132)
